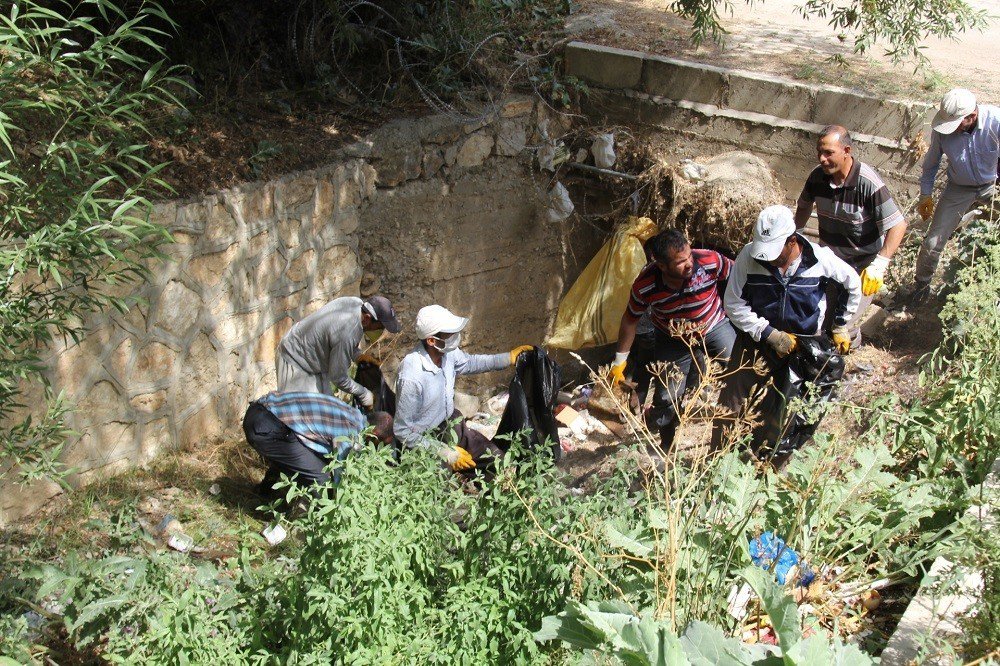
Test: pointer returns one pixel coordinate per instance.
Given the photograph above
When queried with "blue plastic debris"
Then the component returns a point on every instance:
(769, 551)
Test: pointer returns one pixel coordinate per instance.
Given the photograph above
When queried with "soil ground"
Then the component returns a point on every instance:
(771, 36)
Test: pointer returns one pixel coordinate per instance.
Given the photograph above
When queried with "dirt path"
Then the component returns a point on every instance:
(771, 36)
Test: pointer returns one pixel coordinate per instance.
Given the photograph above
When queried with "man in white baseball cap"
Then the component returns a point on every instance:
(776, 292)
(969, 134)
(425, 389)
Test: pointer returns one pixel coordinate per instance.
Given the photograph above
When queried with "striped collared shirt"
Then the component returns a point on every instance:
(854, 217)
(698, 301)
(320, 421)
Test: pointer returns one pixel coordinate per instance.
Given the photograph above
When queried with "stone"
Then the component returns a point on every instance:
(190, 218)
(199, 374)
(450, 154)
(157, 436)
(467, 404)
(102, 402)
(177, 309)
(268, 273)
(292, 192)
(604, 66)
(771, 95)
(120, 358)
(101, 445)
(325, 201)
(512, 137)
(289, 234)
(208, 269)
(398, 167)
(370, 284)
(439, 129)
(359, 149)
(869, 115)
(237, 329)
(148, 403)
(77, 363)
(258, 203)
(154, 364)
(366, 178)
(180, 238)
(302, 266)
(268, 341)
(474, 151)
(164, 214)
(684, 80)
(204, 427)
(518, 105)
(433, 162)
(265, 241)
(222, 220)
(337, 267)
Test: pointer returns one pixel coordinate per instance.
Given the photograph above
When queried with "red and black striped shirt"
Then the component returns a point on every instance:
(698, 301)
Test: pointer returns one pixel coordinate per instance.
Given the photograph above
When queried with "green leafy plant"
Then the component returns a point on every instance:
(78, 87)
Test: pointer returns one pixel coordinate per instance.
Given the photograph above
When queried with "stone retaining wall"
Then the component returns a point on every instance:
(431, 208)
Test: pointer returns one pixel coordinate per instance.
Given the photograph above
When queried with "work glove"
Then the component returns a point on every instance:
(925, 206)
(457, 458)
(873, 277)
(516, 351)
(617, 373)
(367, 399)
(782, 343)
(841, 340)
(368, 358)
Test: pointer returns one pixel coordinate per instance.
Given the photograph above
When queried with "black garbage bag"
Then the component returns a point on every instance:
(532, 398)
(370, 376)
(814, 370)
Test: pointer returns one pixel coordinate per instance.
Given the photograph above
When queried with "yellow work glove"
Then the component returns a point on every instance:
(457, 458)
(925, 207)
(516, 351)
(873, 277)
(841, 340)
(616, 375)
(782, 343)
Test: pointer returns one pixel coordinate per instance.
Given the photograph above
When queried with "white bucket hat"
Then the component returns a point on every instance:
(434, 319)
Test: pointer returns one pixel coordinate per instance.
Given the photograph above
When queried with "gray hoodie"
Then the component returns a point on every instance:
(326, 343)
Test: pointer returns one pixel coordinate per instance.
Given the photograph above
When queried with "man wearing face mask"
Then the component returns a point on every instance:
(315, 356)
(776, 292)
(425, 389)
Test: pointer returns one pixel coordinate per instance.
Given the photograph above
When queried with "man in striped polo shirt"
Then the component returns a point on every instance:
(858, 218)
(681, 289)
(299, 433)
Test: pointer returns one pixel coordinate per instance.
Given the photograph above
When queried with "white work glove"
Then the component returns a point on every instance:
(367, 399)
(873, 277)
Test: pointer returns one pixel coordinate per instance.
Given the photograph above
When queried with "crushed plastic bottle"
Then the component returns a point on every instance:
(769, 551)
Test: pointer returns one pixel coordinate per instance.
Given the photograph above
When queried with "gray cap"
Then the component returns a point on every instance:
(381, 311)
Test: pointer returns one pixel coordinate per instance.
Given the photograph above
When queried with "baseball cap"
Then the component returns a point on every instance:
(955, 105)
(380, 308)
(433, 319)
(774, 225)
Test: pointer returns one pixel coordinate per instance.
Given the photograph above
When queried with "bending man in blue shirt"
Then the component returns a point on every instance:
(969, 135)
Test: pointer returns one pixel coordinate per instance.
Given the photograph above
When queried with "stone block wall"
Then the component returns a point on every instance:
(438, 209)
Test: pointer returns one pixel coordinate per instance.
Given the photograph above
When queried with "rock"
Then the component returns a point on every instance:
(474, 151)
(467, 404)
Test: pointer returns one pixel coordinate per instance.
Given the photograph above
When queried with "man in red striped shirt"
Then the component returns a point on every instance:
(682, 291)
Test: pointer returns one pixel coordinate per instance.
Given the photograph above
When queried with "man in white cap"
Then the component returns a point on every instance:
(969, 135)
(425, 389)
(776, 292)
(315, 356)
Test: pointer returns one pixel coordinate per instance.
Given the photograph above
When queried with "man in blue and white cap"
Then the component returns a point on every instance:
(315, 356)
(969, 135)
(425, 389)
(776, 292)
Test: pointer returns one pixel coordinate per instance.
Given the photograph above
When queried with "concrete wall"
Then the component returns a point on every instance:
(698, 109)
(431, 210)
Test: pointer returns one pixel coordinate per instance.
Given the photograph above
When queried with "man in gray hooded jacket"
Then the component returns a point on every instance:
(315, 356)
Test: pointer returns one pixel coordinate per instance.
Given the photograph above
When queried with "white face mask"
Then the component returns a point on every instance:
(450, 344)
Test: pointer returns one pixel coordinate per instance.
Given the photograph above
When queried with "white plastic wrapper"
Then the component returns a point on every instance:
(560, 206)
(693, 171)
(274, 534)
(603, 150)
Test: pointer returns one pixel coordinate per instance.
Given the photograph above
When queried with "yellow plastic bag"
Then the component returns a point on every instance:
(591, 311)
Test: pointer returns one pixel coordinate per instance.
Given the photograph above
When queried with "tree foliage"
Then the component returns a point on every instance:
(901, 26)
(78, 87)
